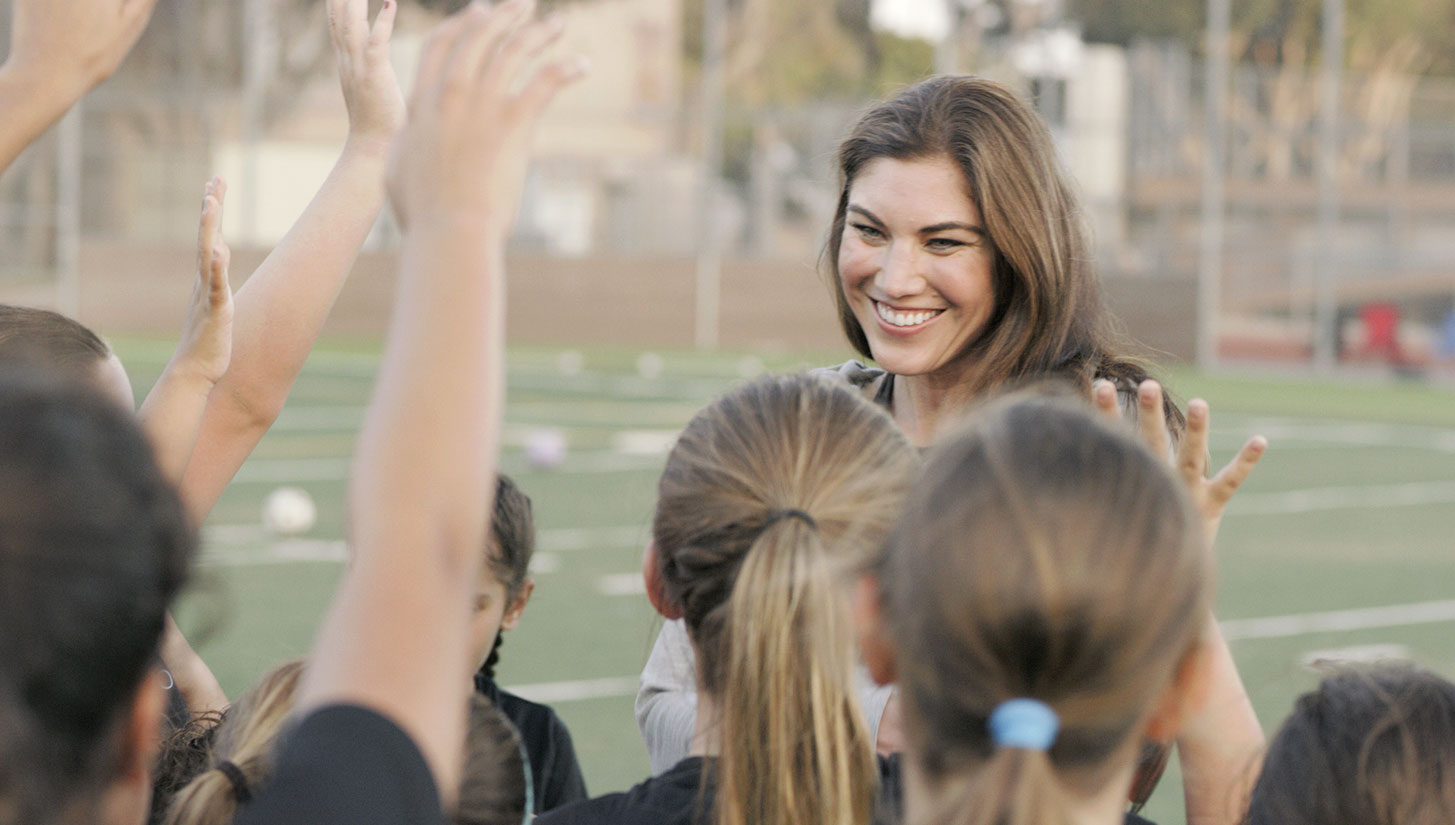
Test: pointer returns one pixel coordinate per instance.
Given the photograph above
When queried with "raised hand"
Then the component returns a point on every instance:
(472, 115)
(59, 50)
(206, 343)
(371, 91)
(1190, 459)
(77, 43)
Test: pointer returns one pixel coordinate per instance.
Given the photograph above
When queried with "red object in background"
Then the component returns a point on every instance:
(1381, 333)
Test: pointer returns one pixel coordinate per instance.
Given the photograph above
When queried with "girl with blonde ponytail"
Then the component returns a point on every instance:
(772, 496)
(1042, 605)
(242, 752)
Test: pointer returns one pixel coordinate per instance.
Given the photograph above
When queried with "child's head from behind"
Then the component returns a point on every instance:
(1373, 747)
(1042, 556)
(242, 751)
(496, 786)
(51, 340)
(505, 585)
(94, 544)
(771, 495)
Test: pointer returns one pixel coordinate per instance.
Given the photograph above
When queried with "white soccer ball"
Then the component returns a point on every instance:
(289, 511)
(545, 448)
(650, 365)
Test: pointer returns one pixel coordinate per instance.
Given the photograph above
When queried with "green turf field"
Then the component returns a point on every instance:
(1353, 508)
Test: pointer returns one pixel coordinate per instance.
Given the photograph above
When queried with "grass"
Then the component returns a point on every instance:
(1283, 548)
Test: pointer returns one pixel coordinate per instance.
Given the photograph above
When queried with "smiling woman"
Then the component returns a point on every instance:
(961, 258)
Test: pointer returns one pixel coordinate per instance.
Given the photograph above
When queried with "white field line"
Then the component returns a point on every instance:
(1267, 628)
(1335, 621)
(557, 540)
(1318, 499)
(300, 470)
(578, 690)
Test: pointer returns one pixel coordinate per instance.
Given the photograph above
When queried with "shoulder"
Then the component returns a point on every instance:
(856, 374)
(669, 799)
(532, 718)
(384, 780)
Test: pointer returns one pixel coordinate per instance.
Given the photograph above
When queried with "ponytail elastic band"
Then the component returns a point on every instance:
(1024, 723)
(789, 512)
(239, 782)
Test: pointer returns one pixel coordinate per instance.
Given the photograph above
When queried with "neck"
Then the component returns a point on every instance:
(924, 404)
(705, 741)
(1106, 806)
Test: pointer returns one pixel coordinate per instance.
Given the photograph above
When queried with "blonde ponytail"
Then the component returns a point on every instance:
(242, 753)
(770, 496)
(795, 747)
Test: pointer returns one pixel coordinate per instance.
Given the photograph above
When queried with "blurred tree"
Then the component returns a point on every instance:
(1418, 34)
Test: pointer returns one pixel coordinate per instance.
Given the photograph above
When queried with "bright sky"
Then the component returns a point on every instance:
(911, 18)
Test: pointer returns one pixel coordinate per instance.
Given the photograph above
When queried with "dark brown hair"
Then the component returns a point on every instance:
(770, 496)
(1044, 554)
(1049, 318)
(508, 551)
(1371, 746)
(49, 337)
(495, 781)
(94, 544)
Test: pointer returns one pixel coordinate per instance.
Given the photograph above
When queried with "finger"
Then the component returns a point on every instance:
(353, 23)
(437, 51)
(478, 46)
(1151, 422)
(1231, 477)
(526, 45)
(383, 29)
(207, 228)
(1192, 453)
(547, 82)
(1104, 398)
(221, 254)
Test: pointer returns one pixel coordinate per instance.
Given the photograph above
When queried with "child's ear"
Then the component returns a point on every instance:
(517, 605)
(652, 576)
(874, 643)
(1184, 697)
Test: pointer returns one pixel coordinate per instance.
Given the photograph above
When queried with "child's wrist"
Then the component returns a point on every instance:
(369, 143)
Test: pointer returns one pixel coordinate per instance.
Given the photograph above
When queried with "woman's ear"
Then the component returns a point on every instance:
(511, 617)
(1184, 697)
(656, 590)
(869, 626)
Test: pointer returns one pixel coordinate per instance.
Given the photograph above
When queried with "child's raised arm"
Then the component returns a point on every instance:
(282, 307)
(172, 413)
(59, 51)
(425, 466)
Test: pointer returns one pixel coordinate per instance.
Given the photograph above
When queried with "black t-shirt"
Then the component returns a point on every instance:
(346, 765)
(674, 798)
(555, 774)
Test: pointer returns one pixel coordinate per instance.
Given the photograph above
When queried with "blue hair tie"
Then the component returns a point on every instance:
(1024, 723)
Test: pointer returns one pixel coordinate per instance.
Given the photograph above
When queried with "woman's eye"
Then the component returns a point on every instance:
(868, 232)
(943, 244)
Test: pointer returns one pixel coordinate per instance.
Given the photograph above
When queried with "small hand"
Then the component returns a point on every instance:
(1209, 495)
(206, 344)
(74, 43)
(371, 90)
(465, 149)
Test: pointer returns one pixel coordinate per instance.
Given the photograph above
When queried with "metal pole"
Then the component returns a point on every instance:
(1210, 258)
(70, 155)
(947, 51)
(1326, 306)
(709, 248)
(260, 53)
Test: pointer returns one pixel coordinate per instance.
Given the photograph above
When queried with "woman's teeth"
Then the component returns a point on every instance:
(905, 319)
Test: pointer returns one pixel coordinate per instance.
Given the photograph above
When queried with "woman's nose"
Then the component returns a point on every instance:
(899, 274)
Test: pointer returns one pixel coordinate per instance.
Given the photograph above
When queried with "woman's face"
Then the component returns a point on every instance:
(915, 263)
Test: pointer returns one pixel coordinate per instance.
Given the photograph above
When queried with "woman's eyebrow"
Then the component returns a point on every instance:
(874, 219)
(941, 227)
